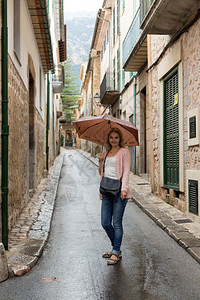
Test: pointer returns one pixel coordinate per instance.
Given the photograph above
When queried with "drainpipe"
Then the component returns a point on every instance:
(47, 125)
(134, 122)
(5, 127)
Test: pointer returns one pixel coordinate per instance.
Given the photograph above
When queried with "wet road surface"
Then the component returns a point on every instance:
(153, 266)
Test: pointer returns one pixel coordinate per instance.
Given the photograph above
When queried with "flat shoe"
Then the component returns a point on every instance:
(113, 261)
(109, 254)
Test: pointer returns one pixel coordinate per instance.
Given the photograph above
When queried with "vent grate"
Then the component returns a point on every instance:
(193, 196)
(192, 122)
(181, 221)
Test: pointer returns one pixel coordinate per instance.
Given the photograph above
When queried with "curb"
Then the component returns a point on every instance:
(26, 254)
(180, 234)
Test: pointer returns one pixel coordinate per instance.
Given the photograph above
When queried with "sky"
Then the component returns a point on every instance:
(82, 5)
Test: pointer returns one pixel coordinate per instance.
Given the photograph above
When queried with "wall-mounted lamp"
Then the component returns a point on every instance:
(96, 98)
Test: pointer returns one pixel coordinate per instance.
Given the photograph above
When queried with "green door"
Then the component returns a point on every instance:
(171, 131)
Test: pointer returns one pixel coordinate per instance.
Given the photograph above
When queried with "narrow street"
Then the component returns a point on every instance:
(153, 266)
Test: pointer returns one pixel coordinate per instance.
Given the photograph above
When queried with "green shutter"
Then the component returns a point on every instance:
(193, 196)
(192, 126)
(123, 5)
(171, 131)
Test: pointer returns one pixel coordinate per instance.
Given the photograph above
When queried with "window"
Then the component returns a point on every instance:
(102, 54)
(17, 28)
(171, 131)
(193, 117)
(123, 5)
(192, 127)
(131, 74)
(193, 196)
(123, 78)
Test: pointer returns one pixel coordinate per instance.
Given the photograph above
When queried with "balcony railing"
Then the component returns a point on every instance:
(166, 16)
(145, 7)
(58, 79)
(108, 90)
(132, 37)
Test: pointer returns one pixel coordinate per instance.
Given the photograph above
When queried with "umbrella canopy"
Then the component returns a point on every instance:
(95, 129)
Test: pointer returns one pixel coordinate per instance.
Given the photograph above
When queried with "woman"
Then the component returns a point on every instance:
(117, 166)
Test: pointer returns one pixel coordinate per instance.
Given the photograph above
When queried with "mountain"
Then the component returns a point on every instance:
(80, 27)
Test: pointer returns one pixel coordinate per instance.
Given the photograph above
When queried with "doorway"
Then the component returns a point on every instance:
(143, 132)
(32, 146)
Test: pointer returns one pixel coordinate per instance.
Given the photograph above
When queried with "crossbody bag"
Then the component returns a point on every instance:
(109, 186)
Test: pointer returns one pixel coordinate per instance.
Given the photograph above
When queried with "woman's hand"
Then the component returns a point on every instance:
(101, 156)
(123, 195)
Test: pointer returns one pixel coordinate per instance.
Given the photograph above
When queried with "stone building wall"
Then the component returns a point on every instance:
(40, 147)
(191, 70)
(190, 59)
(18, 173)
(18, 144)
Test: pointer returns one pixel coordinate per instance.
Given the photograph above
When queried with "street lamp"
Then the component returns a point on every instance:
(97, 98)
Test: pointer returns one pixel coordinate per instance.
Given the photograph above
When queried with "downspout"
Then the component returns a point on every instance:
(5, 127)
(134, 122)
(47, 125)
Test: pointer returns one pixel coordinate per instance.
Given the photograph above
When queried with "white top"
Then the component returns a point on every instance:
(110, 167)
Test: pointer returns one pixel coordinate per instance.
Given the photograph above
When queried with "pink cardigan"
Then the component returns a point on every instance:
(122, 168)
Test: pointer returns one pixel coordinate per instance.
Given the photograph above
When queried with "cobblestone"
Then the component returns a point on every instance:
(28, 236)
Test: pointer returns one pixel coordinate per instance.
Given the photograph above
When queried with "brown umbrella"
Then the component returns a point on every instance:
(94, 129)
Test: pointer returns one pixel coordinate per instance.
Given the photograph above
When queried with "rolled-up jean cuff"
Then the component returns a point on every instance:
(115, 252)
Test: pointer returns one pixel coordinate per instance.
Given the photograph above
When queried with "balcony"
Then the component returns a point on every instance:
(108, 92)
(166, 16)
(134, 48)
(58, 79)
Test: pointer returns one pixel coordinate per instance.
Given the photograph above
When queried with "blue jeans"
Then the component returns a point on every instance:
(112, 211)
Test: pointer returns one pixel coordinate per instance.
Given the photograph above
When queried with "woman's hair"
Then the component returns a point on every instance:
(121, 140)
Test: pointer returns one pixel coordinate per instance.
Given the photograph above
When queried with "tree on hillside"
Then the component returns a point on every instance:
(70, 93)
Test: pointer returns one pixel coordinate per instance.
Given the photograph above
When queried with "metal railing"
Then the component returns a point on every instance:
(108, 84)
(145, 6)
(132, 37)
(58, 76)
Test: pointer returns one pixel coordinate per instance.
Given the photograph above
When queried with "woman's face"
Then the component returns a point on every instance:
(114, 139)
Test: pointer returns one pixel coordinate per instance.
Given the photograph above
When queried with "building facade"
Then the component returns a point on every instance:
(34, 55)
(174, 74)
(149, 75)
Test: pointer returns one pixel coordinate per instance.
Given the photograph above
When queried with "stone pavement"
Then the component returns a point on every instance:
(29, 235)
(185, 231)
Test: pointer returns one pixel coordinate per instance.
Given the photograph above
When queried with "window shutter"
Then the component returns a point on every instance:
(193, 196)
(171, 131)
(192, 122)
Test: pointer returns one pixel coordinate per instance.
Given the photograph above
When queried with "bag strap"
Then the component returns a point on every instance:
(104, 161)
